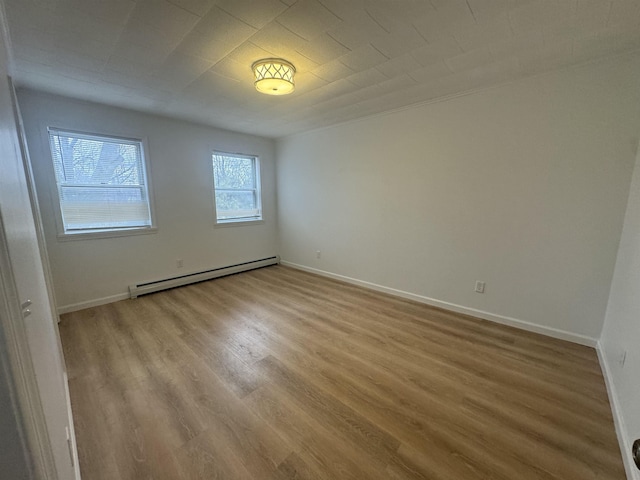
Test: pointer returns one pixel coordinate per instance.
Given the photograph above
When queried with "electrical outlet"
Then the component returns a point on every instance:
(179, 263)
(318, 254)
(479, 286)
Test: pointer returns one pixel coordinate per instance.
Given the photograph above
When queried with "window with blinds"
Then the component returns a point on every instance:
(101, 182)
(236, 181)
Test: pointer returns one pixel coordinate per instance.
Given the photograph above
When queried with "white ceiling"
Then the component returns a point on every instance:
(191, 58)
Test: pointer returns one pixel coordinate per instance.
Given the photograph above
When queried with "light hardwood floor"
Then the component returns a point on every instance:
(280, 374)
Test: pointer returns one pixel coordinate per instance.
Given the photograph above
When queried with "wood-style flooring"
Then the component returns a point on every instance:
(281, 374)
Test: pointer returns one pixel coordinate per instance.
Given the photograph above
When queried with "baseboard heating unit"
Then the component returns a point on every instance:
(158, 285)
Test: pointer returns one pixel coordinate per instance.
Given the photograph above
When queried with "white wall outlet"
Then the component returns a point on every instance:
(479, 286)
(318, 254)
(623, 358)
(179, 263)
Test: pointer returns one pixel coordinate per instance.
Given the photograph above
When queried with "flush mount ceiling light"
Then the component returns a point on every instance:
(274, 76)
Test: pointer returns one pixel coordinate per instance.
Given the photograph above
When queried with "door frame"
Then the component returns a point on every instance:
(23, 152)
(33, 198)
(25, 393)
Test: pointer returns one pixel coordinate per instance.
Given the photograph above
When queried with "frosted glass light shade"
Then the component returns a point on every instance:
(274, 76)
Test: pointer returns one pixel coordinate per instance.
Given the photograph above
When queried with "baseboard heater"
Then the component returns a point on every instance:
(158, 285)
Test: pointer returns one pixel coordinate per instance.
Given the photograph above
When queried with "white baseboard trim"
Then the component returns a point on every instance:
(512, 322)
(74, 307)
(618, 420)
(71, 433)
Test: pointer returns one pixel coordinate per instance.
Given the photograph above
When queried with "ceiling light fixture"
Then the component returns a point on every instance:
(274, 76)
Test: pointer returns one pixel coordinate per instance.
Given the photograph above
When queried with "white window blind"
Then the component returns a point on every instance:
(101, 182)
(237, 187)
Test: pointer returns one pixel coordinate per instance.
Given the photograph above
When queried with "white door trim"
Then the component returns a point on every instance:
(33, 198)
(26, 392)
(48, 280)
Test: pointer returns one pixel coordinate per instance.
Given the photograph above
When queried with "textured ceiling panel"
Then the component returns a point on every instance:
(256, 14)
(192, 58)
(308, 18)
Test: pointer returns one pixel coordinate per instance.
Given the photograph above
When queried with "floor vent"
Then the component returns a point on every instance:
(150, 287)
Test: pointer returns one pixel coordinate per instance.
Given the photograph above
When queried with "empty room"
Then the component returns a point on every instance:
(320, 239)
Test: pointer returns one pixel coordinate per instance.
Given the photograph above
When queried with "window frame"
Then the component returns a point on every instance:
(239, 221)
(62, 234)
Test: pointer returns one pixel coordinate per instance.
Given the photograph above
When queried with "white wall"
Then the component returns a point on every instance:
(522, 186)
(621, 332)
(94, 270)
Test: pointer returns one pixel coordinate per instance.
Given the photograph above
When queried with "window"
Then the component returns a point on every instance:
(101, 182)
(236, 180)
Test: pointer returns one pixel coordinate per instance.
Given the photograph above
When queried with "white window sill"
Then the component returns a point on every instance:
(238, 223)
(65, 237)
